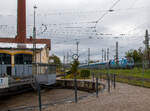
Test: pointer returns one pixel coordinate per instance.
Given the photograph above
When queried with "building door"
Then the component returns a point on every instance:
(9, 71)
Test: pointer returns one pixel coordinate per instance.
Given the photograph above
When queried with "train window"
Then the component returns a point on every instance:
(5, 58)
(125, 61)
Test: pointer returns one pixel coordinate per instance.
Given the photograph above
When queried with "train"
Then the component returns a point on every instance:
(123, 63)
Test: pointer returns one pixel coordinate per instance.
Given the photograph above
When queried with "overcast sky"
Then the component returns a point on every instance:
(68, 21)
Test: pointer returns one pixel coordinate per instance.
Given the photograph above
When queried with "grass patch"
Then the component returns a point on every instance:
(133, 73)
(136, 72)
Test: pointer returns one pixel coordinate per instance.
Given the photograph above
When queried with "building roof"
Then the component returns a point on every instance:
(28, 41)
(21, 28)
(24, 46)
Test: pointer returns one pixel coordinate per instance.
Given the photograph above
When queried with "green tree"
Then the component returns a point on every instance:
(91, 61)
(74, 66)
(135, 54)
(55, 60)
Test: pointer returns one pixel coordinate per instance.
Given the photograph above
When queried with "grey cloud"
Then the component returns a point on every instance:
(120, 21)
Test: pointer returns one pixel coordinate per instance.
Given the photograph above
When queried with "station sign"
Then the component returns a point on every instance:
(4, 82)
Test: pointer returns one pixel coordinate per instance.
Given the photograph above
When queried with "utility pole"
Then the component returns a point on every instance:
(64, 66)
(117, 53)
(89, 56)
(102, 55)
(64, 60)
(34, 36)
(76, 57)
(147, 48)
(34, 66)
(70, 57)
(77, 43)
(67, 61)
(146, 40)
(107, 54)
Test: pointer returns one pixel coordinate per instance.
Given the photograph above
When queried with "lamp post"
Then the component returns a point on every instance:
(34, 59)
(34, 36)
(34, 67)
(75, 58)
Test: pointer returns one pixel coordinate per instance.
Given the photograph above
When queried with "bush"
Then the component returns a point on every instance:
(85, 73)
(68, 72)
(70, 76)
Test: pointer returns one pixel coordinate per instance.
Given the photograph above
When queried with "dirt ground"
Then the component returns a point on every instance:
(31, 98)
(124, 98)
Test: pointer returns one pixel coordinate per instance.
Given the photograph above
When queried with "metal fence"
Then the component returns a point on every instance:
(22, 70)
(43, 101)
(46, 69)
(21, 75)
(138, 75)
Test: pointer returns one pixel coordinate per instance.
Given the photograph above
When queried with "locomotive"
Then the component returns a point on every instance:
(123, 63)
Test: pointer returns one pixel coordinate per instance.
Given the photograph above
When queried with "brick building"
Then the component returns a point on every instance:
(16, 52)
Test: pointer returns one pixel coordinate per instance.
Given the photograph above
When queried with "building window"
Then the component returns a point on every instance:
(23, 59)
(5, 58)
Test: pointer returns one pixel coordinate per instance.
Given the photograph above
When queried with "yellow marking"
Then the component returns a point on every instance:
(12, 53)
(22, 52)
(18, 79)
(5, 52)
(12, 65)
(16, 52)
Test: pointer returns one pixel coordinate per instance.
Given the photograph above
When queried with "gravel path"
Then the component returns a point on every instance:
(124, 98)
(31, 98)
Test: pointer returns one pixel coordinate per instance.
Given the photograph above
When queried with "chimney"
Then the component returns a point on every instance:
(21, 22)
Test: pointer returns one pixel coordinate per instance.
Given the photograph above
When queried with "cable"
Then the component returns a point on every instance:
(109, 10)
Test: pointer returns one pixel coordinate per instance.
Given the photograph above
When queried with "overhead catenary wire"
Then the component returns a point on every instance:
(70, 33)
(110, 9)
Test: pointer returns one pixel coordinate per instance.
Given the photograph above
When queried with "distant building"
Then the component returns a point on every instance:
(16, 54)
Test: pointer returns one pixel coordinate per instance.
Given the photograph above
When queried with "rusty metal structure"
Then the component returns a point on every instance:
(21, 29)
